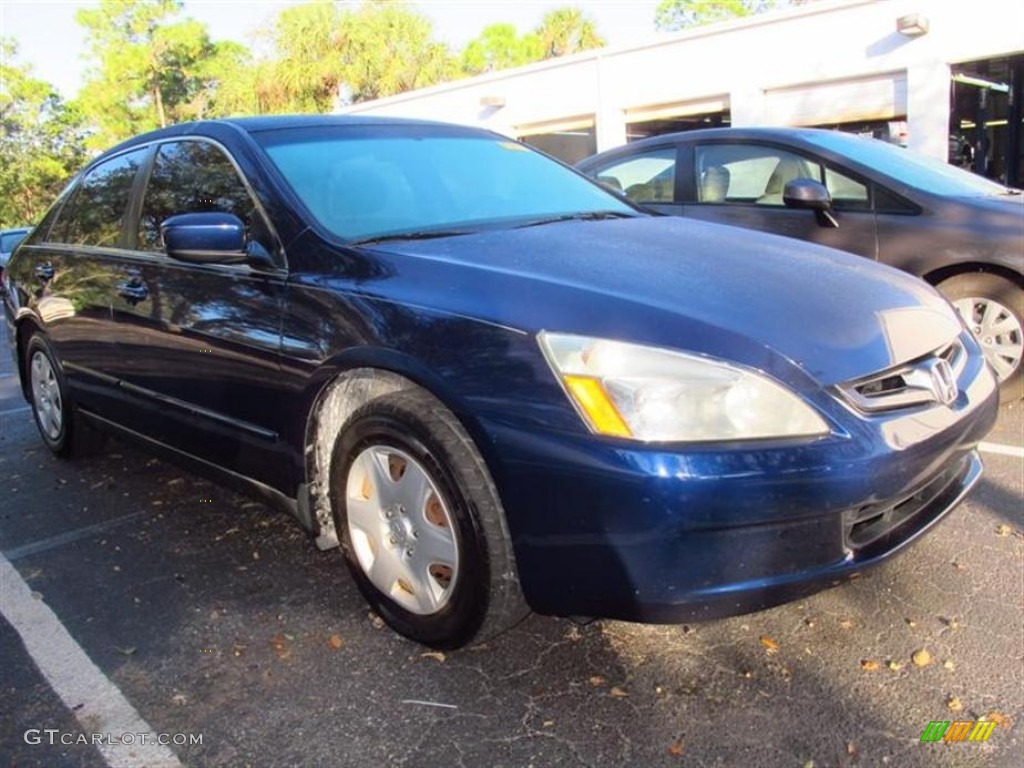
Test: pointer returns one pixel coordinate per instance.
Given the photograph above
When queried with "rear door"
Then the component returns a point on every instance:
(741, 184)
(74, 266)
(201, 341)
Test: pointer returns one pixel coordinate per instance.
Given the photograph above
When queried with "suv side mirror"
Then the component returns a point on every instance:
(212, 237)
(813, 195)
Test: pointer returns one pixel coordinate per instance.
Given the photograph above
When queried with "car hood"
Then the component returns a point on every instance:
(717, 290)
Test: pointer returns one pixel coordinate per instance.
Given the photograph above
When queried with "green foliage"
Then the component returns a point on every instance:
(561, 32)
(565, 31)
(324, 50)
(40, 142)
(500, 46)
(150, 70)
(672, 15)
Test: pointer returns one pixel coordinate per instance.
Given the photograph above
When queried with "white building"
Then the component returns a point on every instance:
(930, 69)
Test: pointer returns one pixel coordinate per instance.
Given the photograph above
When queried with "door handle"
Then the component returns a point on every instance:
(45, 271)
(133, 292)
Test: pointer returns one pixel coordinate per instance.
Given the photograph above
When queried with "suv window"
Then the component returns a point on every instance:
(192, 177)
(95, 213)
(645, 178)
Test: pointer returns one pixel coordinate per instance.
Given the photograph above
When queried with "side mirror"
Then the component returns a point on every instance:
(205, 238)
(812, 195)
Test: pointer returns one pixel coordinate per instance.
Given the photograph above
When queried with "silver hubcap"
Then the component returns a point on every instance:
(998, 331)
(401, 529)
(46, 396)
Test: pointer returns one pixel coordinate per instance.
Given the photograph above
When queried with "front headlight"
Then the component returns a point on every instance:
(646, 393)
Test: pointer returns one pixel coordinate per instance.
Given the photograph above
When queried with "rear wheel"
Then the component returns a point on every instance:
(993, 308)
(60, 427)
(421, 524)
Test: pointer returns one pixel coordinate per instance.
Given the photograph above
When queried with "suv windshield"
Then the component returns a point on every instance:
(911, 168)
(375, 182)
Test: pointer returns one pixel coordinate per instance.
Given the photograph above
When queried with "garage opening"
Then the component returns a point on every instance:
(568, 140)
(644, 122)
(986, 118)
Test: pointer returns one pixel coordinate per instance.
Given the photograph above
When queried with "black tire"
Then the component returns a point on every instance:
(71, 438)
(986, 288)
(483, 598)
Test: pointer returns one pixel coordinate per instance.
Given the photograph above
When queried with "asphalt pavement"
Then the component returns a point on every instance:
(215, 617)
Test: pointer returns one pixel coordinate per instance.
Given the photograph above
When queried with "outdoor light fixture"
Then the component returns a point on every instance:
(912, 25)
(494, 102)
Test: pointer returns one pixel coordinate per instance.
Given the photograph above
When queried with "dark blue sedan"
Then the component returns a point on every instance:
(495, 385)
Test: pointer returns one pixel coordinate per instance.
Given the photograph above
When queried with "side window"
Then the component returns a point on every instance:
(846, 193)
(96, 210)
(748, 173)
(192, 177)
(646, 178)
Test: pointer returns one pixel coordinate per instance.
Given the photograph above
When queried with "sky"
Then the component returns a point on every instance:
(51, 41)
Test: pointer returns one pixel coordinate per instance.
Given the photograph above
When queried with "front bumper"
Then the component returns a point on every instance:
(604, 528)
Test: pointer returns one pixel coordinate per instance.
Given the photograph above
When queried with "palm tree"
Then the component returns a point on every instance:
(566, 30)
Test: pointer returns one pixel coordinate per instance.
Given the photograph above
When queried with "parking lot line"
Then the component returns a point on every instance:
(95, 701)
(1003, 450)
(16, 410)
(67, 537)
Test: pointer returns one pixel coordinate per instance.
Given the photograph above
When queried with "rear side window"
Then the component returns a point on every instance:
(95, 213)
(645, 178)
(193, 177)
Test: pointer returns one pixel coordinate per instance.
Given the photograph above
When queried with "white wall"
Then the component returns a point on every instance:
(836, 57)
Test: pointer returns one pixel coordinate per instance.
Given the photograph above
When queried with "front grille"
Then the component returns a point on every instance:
(910, 384)
(868, 524)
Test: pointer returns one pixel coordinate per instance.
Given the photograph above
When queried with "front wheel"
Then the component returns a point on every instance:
(421, 524)
(993, 308)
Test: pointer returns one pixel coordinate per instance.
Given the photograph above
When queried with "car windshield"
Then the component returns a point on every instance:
(911, 168)
(9, 241)
(376, 182)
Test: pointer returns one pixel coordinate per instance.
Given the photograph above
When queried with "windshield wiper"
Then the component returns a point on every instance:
(427, 234)
(581, 216)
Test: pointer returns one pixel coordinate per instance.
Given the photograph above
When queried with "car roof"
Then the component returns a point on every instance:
(273, 122)
(801, 136)
(15, 230)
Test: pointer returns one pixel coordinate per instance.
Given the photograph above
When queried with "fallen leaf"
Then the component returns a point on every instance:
(911, 623)
(126, 651)
(676, 748)
(597, 681)
(895, 666)
(921, 657)
(948, 664)
(1000, 719)
(869, 664)
(179, 700)
(280, 646)
(548, 723)
(770, 645)
(335, 641)
(846, 624)
(851, 749)
(954, 703)
(1003, 530)
(435, 655)
(377, 621)
(950, 622)
(617, 693)
(255, 555)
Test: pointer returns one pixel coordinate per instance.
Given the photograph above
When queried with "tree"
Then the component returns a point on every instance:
(323, 50)
(672, 15)
(150, 69)
(41, 141)
(567, 30)
(500, 46)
